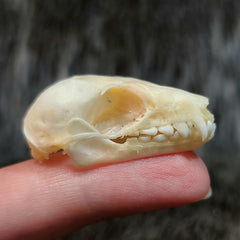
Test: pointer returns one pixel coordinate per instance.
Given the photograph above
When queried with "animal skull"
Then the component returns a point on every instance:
(97, 119)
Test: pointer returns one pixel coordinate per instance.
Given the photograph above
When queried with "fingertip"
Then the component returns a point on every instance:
(61, 197)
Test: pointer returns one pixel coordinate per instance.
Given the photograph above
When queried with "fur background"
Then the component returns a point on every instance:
(194, 45)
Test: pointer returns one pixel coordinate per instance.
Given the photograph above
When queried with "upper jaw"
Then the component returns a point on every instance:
(199, 129)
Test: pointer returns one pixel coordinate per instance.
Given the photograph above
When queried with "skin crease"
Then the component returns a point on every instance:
(48, 200)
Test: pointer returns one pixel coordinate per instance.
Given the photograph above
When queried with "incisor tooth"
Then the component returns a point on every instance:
(150, 131)
(166, 130)
(160, 138)
(201, 126)
(182, 128)
(144, 139)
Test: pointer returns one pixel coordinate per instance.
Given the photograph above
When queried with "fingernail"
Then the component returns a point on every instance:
(209, 194)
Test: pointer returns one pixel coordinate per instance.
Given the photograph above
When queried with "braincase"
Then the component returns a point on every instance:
(50, 113)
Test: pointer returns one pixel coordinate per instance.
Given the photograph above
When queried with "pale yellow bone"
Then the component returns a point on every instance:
(98, 119)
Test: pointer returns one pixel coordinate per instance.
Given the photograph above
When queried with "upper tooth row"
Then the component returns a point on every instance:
(168, 130)
(182, 128)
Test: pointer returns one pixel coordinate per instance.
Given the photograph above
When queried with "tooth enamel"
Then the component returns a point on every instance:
(190, 132)
(201, 126)
(135, 134)
(144, 139)
(175, 136)
(160, 138)
(190, 124)
(211, 128)
(133, 139)
(150, 131)
(209, 125)
(166, 130)
(182, 128)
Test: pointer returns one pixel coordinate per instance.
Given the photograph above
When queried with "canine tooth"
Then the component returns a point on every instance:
(166, 130)
(144, 139)
(160, 138)
(209, 125)
(150, 131)
(182, 128)
(135, 134)
(213, 130)
(175, 136)
(201, 126)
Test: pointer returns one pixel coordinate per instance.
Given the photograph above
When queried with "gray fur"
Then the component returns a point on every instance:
(194, 45)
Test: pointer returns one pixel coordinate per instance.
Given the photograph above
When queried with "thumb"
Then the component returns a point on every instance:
(45, 201)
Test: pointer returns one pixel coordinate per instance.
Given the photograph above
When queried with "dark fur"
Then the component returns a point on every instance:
(194, 45)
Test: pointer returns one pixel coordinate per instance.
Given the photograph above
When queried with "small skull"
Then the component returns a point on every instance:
(97, 119)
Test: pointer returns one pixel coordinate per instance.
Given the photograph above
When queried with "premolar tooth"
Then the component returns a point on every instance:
(182, 128)
(166, 130)
(201, 126)
(144, 139)
(190, 124)
(135, 134)
(190, 132)
(150, 131)
(175, 136)
(160, 138)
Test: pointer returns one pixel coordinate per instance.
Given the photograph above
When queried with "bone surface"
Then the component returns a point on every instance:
(97, 119)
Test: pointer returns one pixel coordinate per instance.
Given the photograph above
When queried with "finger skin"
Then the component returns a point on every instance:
(45, 201)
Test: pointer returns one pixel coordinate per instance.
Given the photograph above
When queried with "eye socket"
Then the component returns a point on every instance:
(118, 107)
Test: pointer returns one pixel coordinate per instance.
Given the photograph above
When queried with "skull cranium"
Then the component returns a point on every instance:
(98, 119)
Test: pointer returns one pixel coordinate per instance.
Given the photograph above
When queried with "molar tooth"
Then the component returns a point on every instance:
(160, 138)
(166, 130)
(133, 139)
(144, 139)
(135, 134)
(182, 128)
(150, 131)
(175, 136)
(201, 126)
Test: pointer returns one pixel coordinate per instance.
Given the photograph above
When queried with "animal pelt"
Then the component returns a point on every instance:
(193, 45)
